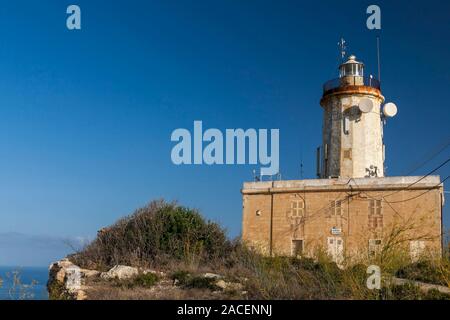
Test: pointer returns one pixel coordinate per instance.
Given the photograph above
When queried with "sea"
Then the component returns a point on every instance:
(23, 283)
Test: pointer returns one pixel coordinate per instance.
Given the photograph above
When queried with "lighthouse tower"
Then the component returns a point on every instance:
(352, 207)
(352, 125)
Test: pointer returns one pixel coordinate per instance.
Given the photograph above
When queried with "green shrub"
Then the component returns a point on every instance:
(157, 234)
(57, 291)
(181, 276)
(426, 271)
(434, 294)
(411, 292)
(200, 282)
(146, 280)
(187, 280)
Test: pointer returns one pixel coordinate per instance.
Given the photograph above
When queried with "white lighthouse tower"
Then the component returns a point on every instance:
(352, 125)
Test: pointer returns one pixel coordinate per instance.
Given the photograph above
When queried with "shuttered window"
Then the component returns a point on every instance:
(298, 208)
(375, 214)
(336, 208)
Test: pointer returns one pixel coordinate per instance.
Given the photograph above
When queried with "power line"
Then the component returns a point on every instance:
(415, 197)
(404, 200)
(428, 174)
(417, 181)
(336, 199)
(316, 213)
(327, 206)
(440, 148)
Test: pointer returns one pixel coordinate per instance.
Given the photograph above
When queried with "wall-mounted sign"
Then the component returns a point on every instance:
(336, 231)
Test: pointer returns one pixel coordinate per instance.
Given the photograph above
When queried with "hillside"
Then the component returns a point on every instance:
(167, 251)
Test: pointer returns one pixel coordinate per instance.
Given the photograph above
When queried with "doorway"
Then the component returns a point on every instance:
(336, 249)
(297, 248)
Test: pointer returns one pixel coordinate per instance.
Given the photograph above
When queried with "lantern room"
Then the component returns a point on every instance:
(351, 68)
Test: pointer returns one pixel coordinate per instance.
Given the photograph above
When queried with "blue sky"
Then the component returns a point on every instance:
(86, 116)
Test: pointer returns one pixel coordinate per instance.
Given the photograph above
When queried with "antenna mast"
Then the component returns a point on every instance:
(378, 58)
(342, 48)
(256, 178)
(301, 170)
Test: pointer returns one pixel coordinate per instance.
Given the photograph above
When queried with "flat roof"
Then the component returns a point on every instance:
(385, 183)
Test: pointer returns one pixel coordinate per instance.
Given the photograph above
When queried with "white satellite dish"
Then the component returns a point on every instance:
(365, 105)
(389, 110)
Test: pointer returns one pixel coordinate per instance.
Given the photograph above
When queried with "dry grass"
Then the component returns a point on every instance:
(163, 290)
(108, 292)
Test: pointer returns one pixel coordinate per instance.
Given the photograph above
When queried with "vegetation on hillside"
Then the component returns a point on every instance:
(177, 240)
(156, 235)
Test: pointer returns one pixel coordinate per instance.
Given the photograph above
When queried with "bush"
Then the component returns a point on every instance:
(200, 282)
(181, 276)
(411, 292)
(157, 234)
(146, 280)
(427, 271)
(187, 280)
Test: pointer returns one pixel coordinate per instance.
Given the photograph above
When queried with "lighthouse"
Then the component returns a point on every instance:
(352, 143)
(352, 209)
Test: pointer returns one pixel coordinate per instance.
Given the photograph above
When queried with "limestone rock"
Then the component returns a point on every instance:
(58, 269)
(158, 273)
(120, 272)
(81, 295)
(212, 276)
(234, 286)
(66, 280)
(221, 284)
(90, 273)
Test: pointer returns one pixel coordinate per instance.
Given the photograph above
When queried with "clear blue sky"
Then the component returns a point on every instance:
(86, 116)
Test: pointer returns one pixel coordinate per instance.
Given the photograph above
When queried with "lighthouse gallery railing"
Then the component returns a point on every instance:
(351, 81)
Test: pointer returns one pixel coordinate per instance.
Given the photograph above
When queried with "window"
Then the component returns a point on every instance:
(347, 153)
(360, 70)
(348, 69)
(336, 208)
(375, 207)
(298, 208)
(375, 214)
(297, 248)
(374, 247)
(352, 69)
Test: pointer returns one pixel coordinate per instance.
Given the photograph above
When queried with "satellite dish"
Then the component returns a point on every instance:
(389, 110)
(365, 105)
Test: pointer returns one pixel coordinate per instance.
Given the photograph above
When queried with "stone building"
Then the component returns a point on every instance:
(352, 209)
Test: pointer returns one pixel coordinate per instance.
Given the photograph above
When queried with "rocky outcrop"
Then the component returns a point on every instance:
(67, 281)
